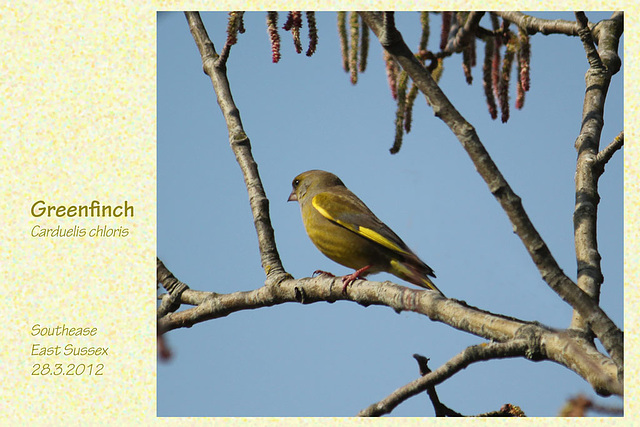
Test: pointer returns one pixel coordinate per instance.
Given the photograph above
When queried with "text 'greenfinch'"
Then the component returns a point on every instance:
(346, 231)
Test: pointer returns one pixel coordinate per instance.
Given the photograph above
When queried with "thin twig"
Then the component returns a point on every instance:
(235, 26)
(603, 157)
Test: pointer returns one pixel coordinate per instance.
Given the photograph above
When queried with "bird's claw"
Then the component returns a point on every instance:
(348, 279)
(326, 273)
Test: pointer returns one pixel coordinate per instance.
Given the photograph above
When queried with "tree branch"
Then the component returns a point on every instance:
(587, 41)
(606, 34)
(461, 39)
(608, 333)
(175, 288)
(473, 354)
(597, 81)
(603, 157)
(214, 66)
(524, 344)
(538, 25)
(570, 350)
(512, 337)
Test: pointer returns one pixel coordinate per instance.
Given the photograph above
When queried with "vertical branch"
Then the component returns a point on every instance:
(585, 215)
(214, 66)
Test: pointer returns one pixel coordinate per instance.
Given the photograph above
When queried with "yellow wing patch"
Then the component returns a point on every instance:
(378, 238)
(363, 231)
(320, 209)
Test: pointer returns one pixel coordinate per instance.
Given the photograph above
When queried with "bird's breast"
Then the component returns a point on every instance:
(344, 246)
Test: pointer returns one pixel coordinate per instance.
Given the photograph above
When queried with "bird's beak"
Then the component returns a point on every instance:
(293, 197)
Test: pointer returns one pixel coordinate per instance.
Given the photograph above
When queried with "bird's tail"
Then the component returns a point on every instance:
(415, 272)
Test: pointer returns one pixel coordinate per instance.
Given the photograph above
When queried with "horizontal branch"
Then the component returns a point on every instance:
(546, 344)
(538, 25)
(323, 288)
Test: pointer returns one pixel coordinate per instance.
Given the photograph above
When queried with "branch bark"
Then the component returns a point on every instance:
(461, 39)
(175, 288)
(538, 25)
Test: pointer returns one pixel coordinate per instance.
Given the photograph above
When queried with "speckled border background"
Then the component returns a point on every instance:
(77, 84)
(77, 123)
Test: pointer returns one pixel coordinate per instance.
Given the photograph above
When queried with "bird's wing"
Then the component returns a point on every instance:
(351, 213)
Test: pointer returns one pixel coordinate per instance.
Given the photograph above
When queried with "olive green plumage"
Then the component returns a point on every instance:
(345, 230)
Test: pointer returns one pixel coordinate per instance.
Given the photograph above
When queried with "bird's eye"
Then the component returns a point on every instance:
(296, 182)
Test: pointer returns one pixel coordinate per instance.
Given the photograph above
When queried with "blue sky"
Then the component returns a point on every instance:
(303, 113)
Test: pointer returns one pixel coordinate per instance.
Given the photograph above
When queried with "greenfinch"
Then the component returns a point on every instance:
(345, 230)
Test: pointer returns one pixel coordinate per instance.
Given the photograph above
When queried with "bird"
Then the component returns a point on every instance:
(346, 231)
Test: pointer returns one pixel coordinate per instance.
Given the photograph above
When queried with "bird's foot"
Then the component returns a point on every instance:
(348, 279)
